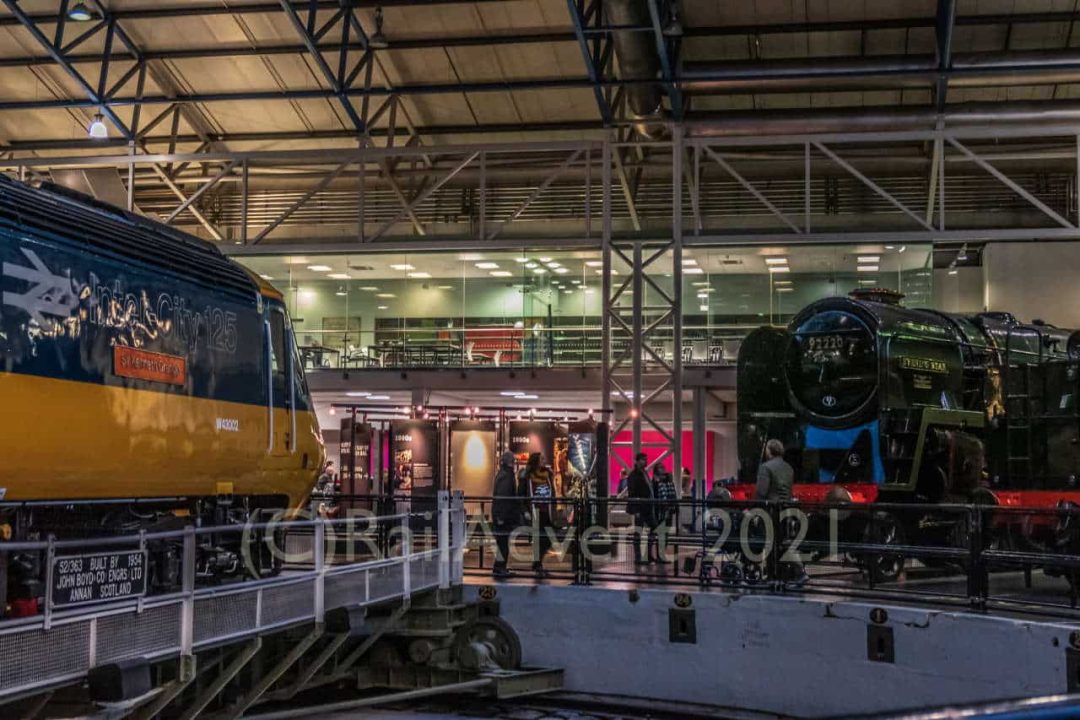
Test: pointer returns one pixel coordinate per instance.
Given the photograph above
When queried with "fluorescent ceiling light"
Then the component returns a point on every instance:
(487, 265)
(382, 307)
(369, 288)
(703, 296)
(338, 276)
(952, 271)
(545, 260)
(693, 271)
(539, 271)
(531, 265)
(446, 287)
(358, 393)
(576, 282)
(319, 268)
(868, 268)
(869, 258)
(341, 293)
(501, 273)
(568, 291)
(703, 283)
(868, 282)
(378, 397)
(902, 248)
(512, 393)
(689, 261)
(521, 259)
(595, 263)
(889, 247)
(785, 289)
(469, 257)
(419, 275)
(781, 282)
(779, 269)
(402, 266)
(776, 261)
(562, 270)
(385, 295)
(266, 277)
(554, 265)
(527, 397)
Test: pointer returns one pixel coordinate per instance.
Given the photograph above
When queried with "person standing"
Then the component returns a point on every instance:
(505, 513)
(640, 504)
(663, 487)
(774, 481)
(537, 480)
(775, 476)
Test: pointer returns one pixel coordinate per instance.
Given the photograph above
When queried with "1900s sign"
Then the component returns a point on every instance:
(97, 577)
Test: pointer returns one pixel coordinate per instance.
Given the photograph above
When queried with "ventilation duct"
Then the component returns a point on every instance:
(636, 53)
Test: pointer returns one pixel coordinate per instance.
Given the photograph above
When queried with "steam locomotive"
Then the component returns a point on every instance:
(148, 382)
(879, 402)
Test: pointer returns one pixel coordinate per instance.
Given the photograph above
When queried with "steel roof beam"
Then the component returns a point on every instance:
(946, 23)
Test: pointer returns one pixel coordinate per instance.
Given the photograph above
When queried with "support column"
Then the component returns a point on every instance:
(699, 441)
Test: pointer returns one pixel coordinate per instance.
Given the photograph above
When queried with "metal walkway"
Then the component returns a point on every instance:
(61, 646)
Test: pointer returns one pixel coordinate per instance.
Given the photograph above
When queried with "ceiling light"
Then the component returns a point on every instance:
(703, 283)
(369, 288)
(902, 248)
(785, 289)
(378, 40)
(266, 277)
(487, 265)
(689, 262)
(703, 296)
(868, 268)
(952, 271)
(402, 266)
(512, 393)
(469, 257)
(693, 271)
(501, 273)
(569, 291)
(554, 265)
(528, 397)
(703, 308)
(420, 275)
(446, 287)
(521, 259)
(562, 270)
(338, 276)
(776, 261)
(382, 307)
(357, 393)
(319, 268)
(385, 295)
(889, 247)
(378, 397)
(539, 271)
(531, 265)
(97, 129)
(868, 282)
(706, 290)
(341, 293)
(576, 282)
(781, 282)
(80, 13)
(545, 260)
(962, 255)
(595, 263)
(779, 269)
(869, 258)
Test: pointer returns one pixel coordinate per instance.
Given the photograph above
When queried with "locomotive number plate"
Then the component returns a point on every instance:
(98, 577)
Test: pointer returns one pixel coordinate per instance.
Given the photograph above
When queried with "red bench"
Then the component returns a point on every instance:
(494, 345)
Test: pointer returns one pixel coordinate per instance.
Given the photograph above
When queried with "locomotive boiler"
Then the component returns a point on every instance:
(147, 380)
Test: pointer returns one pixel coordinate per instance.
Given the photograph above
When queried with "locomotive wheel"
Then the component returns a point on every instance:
(485, 641)
(883, 567)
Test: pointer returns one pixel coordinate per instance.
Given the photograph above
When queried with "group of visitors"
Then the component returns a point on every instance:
(522, 498)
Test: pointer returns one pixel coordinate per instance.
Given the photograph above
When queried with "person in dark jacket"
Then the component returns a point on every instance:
(505, 512)
(775, 477)
(640, 503)
(537, 482)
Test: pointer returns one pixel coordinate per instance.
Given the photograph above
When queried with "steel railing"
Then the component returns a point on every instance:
(404, 553)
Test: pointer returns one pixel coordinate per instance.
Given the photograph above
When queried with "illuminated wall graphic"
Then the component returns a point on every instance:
(472, 457)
